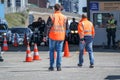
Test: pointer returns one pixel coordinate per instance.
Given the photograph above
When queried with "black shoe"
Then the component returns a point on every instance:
(51, 69)
(79, 65)
(58, 68)
(91, 66)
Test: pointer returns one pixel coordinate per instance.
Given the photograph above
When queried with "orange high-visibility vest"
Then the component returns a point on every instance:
(57, 31)
(86, 28)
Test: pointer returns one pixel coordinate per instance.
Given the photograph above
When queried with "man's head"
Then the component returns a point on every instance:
(57, 7)
(73, 19)
(84, 16)
(111, 16)
(39, 19)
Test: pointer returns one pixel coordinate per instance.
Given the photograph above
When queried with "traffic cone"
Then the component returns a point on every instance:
(5, 45)
(36, 54)
(1, 59)
(84, 52)
(25, 39)
(15, 41)
(55, 55)
(66, 50)
(28, 54)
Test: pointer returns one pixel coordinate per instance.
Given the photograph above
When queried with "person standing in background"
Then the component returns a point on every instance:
(111, 31)
(73, 24)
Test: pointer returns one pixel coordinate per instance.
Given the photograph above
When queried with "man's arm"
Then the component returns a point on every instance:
(93, 31)
(115, 22)
(81, 31)
(48, 26)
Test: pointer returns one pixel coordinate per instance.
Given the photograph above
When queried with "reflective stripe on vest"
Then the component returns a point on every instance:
(112, 24)
(87, 31)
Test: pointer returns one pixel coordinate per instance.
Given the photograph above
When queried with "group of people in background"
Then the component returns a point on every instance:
(40, 24)
(56, 27)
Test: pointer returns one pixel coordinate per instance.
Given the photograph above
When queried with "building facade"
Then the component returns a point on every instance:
(70, 5)
(98, 12)
(74, 6)
(39, 3)
(15, 5)
(82, 5)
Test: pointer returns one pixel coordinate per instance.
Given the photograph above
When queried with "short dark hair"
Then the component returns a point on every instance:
(84, 16)
(57, 7)
(40, 18)
(73, 19)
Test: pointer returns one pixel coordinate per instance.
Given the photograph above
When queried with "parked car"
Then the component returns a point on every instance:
(21, 31)
(4, 31)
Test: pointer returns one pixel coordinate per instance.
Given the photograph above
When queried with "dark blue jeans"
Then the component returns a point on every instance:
(111, 36)
(88, 45)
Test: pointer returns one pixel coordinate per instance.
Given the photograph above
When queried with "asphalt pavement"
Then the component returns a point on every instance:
(14, 67)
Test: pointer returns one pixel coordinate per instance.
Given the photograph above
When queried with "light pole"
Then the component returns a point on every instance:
(88, 9)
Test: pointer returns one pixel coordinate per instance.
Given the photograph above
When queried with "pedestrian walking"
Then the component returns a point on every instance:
(56, 29)
(86, 33)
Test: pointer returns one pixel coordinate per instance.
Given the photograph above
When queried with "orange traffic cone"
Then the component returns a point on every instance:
(5, 45)
(25, 39)
(84, 52)
(15, 41)
(36, 54)
(28, 54)
(66, 50)
(55, 55)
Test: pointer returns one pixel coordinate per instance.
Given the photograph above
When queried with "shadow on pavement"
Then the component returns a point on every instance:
(113, 77)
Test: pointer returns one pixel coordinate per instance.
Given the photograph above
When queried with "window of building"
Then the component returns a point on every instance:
(8, 3)
(18, 3)
(100, 19)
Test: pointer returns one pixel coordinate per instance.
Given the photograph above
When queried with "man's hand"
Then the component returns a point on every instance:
(44, 39)
(83, 42)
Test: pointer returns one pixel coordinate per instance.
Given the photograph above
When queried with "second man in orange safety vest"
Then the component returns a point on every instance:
(86, 32)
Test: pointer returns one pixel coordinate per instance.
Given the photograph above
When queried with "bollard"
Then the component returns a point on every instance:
(1, 59)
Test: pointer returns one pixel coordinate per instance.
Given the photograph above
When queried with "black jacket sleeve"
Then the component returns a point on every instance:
(48, 26)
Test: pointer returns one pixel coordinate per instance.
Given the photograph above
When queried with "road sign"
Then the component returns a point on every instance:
(94, 6)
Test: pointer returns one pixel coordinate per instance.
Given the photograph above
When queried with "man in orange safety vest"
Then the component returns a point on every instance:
(86, 33)
(56, 27)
